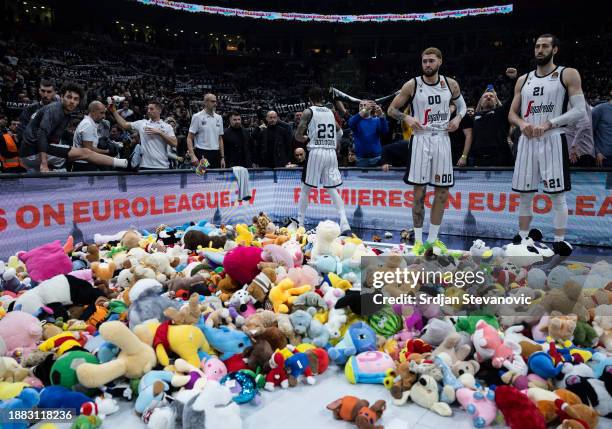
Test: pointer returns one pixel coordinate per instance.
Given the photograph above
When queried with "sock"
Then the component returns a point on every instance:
(523, 234)
(303, 204)
(339, 204)
(433, 233)
(120, 163)
(418, 235)
(559, 237)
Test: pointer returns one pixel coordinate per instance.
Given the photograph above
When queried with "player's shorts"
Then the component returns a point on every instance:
(322, 168)
(431, 160)
(545, 160)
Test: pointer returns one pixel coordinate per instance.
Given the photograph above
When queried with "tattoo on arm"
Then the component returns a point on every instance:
(302, 126)
(396, 114)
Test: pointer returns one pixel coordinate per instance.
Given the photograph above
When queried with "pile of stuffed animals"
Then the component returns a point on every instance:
(188, 323)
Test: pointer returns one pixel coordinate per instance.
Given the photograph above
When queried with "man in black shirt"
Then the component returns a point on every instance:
(274, 143)
(490, 146)
(237, 143)
(461, 140)
(47, 94)
(41, 139)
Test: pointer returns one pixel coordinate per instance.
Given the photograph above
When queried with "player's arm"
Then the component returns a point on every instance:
(459, 102)
(571, 80)
(404, 96)
(125, 125)
(300, 132)
(514, 117)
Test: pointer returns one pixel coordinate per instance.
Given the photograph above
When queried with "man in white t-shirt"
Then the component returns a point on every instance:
(156, 137)
(87, 134)
(205, 138)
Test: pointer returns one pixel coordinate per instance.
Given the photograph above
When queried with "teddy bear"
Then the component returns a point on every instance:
(400, 382)
(326, 233)
(310, 300)
(561, 328)
(11, 371)
(133, 361)
(451, 347)
(146, 302)
(262, 283)
(259, 321)
(317, 334)
(568, 299)
(602, 323)
(186, 315)
(286, 327)
(465, 372)
(261, 223)
(425, 393)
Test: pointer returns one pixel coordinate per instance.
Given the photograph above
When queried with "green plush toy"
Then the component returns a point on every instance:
(63, 371)
(584, 334)
(385, 322)
(468, 323)
(86, 422)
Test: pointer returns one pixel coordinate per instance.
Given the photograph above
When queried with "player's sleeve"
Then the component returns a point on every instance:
(193, 127)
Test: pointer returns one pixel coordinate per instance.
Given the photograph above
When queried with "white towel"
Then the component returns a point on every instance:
(244, 186)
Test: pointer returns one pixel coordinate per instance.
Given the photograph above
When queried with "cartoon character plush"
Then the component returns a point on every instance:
(358, 338)
(358, 411)
(225, 340)
(489, 345)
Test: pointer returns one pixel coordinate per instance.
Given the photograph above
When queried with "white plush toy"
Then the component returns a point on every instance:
(327, 232)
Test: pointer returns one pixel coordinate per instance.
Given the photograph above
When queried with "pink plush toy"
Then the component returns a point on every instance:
(295, 250)
(304, 275)
(277, 254)
(489, 345)
(539, 332)
(213, 368)
(86, 275)
(20, 331)
(46, 261)
(478, 404)
(241, 263)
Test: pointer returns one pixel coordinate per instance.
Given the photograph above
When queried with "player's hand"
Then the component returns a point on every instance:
(462, 161)
(511, 72)
(222, 163)
(453, 125)
(111, 107)
(44, 168)
(152, 131)
(599, 159)
(193, 158)
(385, 167)
(527, 129)
(413, 123)
(539, 130)
(573, 157)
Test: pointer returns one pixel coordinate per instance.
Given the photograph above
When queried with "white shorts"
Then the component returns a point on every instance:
(543, 160)
(431, 160)
(322, 167)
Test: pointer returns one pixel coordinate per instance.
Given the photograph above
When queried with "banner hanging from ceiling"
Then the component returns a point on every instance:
(340, 19)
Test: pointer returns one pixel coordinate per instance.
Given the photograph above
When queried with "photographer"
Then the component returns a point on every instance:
(368, 126)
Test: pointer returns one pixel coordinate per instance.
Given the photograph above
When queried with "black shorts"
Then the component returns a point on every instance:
(59, 150)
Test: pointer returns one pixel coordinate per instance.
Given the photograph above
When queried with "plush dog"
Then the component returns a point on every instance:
(353, 409)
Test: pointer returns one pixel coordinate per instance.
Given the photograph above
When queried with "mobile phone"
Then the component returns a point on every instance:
(490, 87)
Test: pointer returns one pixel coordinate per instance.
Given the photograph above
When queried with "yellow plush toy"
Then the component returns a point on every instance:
(285, 293)
(135, 359)
(244, 236)
(61, 343)
(338, 282)
(183, 340)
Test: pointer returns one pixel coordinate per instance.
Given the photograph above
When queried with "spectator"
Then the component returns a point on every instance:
(40, 146)
(125, 111)
(274, 143)
(395, 155)
(207, 129)
(87, 135)
(299, 157)
(368, 126)
(602, 132)
(12, 129)
(47, 94)
(155, 136)
(490, 146)
(580, 141)
(237, 143)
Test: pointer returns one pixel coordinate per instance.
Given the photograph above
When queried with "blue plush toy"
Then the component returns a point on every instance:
(225, 340)
(359, 337)
(62, 397)
(450, 383)
(151, 389)
(541, 363)
(243, 386)
(26, 400)
(297, 367)
(599, 362)
(203, 226)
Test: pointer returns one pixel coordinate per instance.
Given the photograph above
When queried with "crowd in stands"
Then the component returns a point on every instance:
(247, 115)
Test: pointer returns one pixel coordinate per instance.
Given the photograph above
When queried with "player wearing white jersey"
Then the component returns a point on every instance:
(540, 110)
(319, 129)
(430, 97)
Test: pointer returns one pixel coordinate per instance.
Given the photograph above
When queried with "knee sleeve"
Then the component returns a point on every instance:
(526, 204)
(560, 210)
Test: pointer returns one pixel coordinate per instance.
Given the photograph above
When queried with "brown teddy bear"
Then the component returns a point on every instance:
(259, 321)
(262, 283)
(187, 315)
(561, 328)
(451, 347)
(227, 286)
(405, 382)
(568, 299)
(261, 223)
(180, 282)
(274, 336)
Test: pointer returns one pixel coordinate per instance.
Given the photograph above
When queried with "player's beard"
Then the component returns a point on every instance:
(430, 73)
(542, 61)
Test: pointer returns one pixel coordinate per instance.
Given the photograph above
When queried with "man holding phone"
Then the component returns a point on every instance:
(368, 126)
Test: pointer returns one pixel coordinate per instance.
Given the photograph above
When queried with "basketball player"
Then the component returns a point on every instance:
(540, 110)
(431, 163)
(321, 133)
